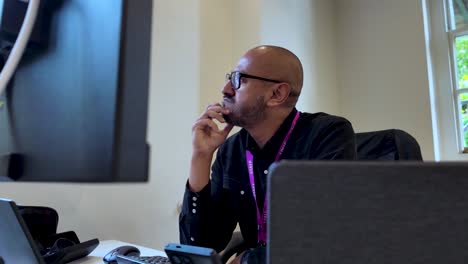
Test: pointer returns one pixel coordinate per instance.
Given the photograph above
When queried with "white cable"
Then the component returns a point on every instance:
(20, 44)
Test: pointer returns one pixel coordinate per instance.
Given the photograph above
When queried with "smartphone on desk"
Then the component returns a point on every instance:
(181, 254)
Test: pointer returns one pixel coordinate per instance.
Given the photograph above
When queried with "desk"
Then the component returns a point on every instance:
(107, 245)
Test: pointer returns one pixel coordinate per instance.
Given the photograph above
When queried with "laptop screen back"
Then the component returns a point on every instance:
(15, 241)
(355, 212)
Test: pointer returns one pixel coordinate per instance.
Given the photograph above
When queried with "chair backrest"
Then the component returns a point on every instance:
(390, 144)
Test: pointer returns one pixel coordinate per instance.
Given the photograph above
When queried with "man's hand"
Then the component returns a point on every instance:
(206, 138)
(206, 135)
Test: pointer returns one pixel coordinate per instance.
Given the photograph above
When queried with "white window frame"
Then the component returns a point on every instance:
(445, 107)
(452, 35)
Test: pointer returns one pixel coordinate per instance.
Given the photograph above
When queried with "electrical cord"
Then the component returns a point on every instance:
(4, 54)
(20, 44)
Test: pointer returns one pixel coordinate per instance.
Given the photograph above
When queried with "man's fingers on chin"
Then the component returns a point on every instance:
(208, 113)
(203, 124)
(208, 123)
(213, 105)
(217, 108)
(216, 115)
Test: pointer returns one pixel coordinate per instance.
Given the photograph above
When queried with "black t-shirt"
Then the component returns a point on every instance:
(209, 217)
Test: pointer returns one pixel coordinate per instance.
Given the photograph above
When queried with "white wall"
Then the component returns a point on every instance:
(307, 28)
(228, 29)
(382, 70)
(246, 23)
(173, 108)
(216, 48)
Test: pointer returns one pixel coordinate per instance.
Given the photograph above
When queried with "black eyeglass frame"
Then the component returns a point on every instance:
(236, 81)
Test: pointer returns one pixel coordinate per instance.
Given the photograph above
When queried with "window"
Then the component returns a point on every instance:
(457, 27)
(446, 35)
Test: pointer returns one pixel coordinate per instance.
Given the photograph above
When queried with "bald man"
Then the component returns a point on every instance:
(260, 97)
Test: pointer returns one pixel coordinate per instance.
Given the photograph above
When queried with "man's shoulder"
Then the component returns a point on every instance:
(321, 118)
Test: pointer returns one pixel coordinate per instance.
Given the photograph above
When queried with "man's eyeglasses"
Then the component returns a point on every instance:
(235, 78)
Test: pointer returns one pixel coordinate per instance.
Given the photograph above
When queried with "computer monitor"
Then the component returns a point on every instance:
(76, 108)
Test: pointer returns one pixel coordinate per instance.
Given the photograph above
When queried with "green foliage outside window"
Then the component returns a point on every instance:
(461, 45)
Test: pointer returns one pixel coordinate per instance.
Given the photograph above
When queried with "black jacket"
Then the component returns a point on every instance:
(209, 217)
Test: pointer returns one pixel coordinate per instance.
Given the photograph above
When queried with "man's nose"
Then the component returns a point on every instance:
(228, 89)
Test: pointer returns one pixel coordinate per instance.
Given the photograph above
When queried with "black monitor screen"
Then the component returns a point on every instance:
(76, 108)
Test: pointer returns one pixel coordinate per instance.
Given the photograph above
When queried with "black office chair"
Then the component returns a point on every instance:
(390, 144)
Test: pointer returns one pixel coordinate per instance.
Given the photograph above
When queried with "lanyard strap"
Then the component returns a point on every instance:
(262, 218)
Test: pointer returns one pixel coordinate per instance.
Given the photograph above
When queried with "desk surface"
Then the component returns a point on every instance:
(108, 245)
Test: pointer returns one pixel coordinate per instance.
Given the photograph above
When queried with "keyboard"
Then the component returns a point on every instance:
(142, 260)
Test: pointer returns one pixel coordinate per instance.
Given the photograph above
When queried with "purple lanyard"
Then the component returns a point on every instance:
(262, 218)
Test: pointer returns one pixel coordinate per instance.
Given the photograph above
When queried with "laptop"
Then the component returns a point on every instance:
(368, 212)
(18, 246)
(16, 243)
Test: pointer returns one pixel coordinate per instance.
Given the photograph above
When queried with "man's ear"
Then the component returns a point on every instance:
(280, 94)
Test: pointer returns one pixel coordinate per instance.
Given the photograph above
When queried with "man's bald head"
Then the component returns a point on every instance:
(279, 64)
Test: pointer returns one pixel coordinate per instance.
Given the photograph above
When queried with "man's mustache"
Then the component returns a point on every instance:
(228, 100)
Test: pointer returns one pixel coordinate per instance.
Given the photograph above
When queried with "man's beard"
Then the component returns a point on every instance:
(246, 116)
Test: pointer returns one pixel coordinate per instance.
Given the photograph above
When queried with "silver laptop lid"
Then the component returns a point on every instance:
(16, 243)
(354, 212)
